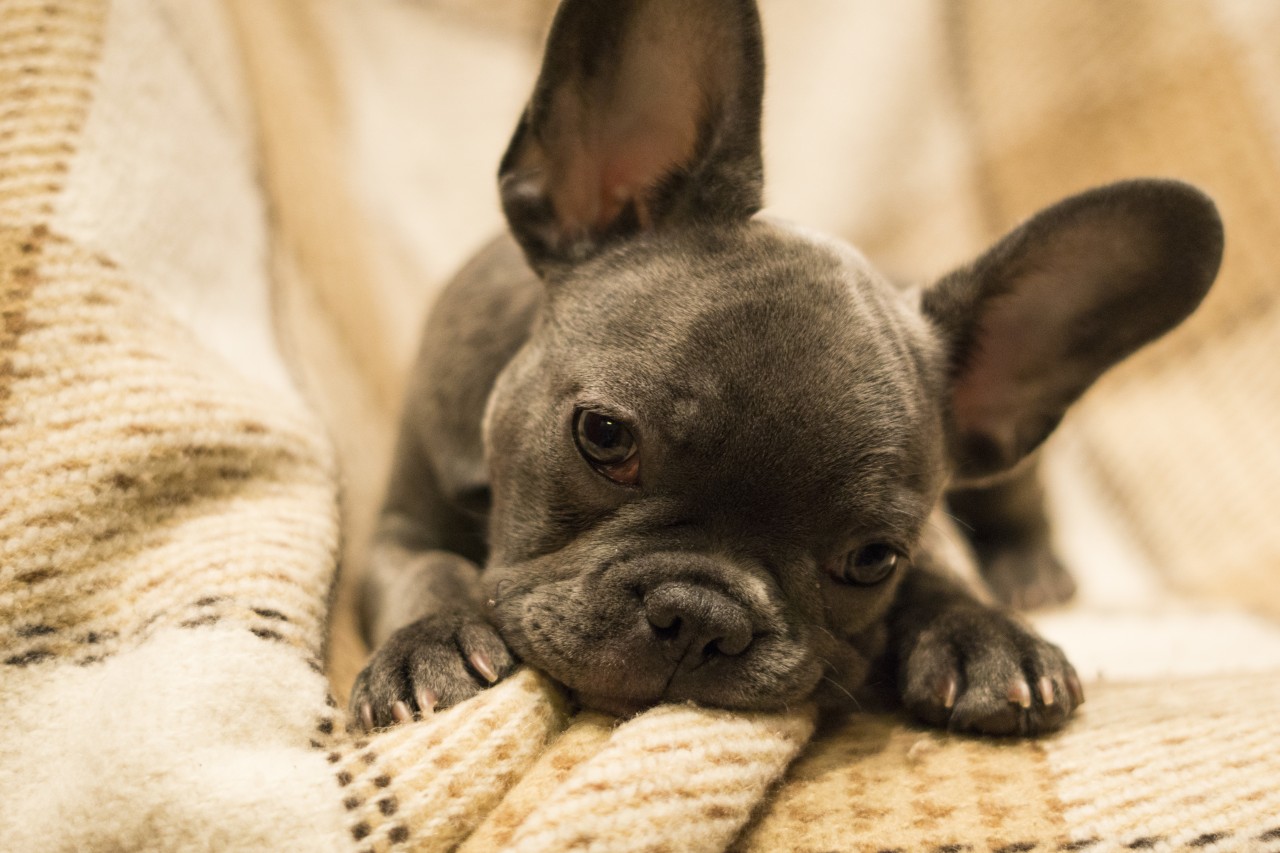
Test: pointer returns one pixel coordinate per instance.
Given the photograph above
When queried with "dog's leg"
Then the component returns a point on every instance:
(420, 607)
(1009, 531)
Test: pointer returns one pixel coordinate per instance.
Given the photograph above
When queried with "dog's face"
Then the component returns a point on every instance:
(710, 466)
(715, 456)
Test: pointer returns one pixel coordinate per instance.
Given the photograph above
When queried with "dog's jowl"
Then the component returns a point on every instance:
(664, 448)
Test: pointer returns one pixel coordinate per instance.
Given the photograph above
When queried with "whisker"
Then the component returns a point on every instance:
(823, 628)
(958, 520)
(856, 704)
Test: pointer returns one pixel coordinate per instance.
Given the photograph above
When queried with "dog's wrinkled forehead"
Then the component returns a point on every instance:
(758, 340)
(758, 304)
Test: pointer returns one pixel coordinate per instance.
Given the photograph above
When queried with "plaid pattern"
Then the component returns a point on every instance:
(170, 516)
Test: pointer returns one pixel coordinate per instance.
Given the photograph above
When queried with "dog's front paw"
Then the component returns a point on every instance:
(979, 670)
(428, 665)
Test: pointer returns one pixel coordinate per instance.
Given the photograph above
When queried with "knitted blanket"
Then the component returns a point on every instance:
(169, 528)
(197, 250)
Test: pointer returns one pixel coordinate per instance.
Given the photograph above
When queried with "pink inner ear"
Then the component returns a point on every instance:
(639, 161)
(983, 400)
(612, 166)
(614, 140)
(1012, 374)
(1021, 372)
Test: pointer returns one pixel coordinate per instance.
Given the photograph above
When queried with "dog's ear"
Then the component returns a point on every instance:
(1036, 319)
(646, 114)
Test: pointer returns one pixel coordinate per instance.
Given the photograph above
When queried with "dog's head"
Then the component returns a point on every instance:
(714, 458)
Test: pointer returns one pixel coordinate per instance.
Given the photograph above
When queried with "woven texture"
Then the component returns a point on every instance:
(175, 495)
(674, 775)
(169, 518)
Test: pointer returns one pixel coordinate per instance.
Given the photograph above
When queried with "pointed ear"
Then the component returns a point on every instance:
(1043, 313)
(646, 115)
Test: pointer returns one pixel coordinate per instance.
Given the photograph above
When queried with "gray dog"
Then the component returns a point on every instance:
(701, 454)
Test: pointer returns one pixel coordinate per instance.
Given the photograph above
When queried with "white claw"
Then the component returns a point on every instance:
(480, 661)
(948, 692)
(1046, 691)
(1020, 693)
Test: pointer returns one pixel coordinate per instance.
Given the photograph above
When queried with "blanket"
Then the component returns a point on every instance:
(219, 223)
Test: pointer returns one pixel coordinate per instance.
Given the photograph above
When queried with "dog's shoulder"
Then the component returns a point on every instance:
(478, 322)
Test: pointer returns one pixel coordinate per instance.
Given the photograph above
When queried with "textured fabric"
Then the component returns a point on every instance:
(167, 525)
(672, 776)
(168, 507)
(1190, 766)
(189, 188)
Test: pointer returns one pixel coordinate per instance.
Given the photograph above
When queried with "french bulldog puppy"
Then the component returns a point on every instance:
(702, 454)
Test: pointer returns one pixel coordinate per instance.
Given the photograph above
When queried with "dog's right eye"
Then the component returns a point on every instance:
(867, 565)
(607, 443)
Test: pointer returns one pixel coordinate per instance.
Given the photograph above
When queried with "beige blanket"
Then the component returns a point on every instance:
(219, 225)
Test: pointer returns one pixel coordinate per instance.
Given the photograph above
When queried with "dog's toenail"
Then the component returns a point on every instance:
(426, 701)
(1046, 690)
(1020, 693)
(480, 661)
(366, 716)
(946, 691)
(401, 712)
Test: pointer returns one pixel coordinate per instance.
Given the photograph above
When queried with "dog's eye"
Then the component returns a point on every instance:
(869, 564)
(607, 443)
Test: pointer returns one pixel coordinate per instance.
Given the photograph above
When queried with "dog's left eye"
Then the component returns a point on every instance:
(607, 443)
(867, 565)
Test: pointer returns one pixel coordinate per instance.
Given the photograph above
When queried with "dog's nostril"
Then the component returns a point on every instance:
(666, 629)
(697, 619)
(662, 618)
(663, 614)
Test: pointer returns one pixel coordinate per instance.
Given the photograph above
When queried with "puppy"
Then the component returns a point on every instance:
(700, 454)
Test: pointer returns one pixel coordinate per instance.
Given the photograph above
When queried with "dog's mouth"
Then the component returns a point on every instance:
(612, 656)
(746, 685)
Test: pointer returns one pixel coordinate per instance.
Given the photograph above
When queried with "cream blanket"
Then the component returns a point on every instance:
(187, 188)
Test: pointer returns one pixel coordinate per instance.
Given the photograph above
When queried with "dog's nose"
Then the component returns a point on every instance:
(698, 621)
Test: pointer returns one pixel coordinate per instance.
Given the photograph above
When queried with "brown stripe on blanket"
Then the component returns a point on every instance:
(20, 252)
(19, 255)
(45, 98)
(876, 783)
(118, 462)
